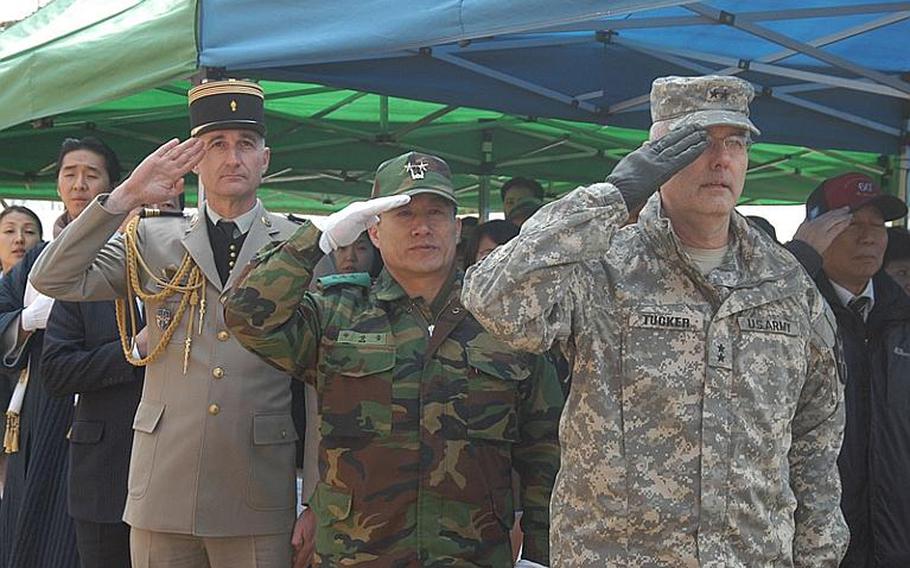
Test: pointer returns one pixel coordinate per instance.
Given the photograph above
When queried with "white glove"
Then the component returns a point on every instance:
(342, 228)
(35, 314)
(528, 564)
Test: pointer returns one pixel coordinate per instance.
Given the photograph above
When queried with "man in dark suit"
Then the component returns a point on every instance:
(83, 356)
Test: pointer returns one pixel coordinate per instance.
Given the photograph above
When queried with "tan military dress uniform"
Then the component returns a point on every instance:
(213, 450)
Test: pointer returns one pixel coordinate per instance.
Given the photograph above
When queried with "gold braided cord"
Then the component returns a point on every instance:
(188, 281)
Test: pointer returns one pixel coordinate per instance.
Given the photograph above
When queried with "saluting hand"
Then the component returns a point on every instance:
(159, 177)
(641, 172)
(342, 228)
(820, 232)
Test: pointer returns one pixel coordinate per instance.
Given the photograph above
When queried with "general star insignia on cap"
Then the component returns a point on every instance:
(417, 170)
(414, 173)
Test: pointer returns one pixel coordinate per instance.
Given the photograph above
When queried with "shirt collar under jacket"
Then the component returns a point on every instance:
(243, 222)
(846, 296)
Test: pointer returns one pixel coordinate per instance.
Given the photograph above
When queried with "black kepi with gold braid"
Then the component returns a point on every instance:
(219, 105)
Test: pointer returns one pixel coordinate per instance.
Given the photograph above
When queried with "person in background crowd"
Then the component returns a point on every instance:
(82, 356)
(487, 237)
(360, 256)
(897, 257)
(212, 477)
(35, 529)
(842, 244)
(20, 231)
(517, 189)
(422, 414)
(705, 415)
(468, 228)
(523, 209)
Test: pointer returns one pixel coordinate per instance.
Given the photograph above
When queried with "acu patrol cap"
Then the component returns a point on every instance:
(228, 104)
(414, 173)
(710, 100)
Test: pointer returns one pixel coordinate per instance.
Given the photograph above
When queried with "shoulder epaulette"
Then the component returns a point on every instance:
(353, 279)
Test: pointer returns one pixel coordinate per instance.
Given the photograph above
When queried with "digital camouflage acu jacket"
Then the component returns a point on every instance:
(421, 421)
(705, 416)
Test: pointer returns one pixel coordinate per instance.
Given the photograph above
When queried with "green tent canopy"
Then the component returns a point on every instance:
(327, 142)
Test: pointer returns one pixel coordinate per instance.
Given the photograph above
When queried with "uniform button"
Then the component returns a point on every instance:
(231, 263)
(284, 433)
(217, 372)
(214, 409)
(233, 247)
(223, 335)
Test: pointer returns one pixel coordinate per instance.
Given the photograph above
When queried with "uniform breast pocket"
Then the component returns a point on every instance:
(770, 368)
(493, 383)
(356, 390)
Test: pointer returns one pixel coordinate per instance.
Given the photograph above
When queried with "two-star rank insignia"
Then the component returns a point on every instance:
(418, 169)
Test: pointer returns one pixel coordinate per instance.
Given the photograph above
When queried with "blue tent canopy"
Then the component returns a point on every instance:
(829, 74)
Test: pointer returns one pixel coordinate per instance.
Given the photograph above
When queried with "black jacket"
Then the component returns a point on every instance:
(82, 354)
(874, 461)
(35, 529)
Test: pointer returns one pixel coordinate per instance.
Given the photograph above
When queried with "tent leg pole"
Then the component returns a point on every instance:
(483, 201)
(903, 169)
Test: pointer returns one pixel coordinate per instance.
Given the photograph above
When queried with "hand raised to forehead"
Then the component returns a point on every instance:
(159, 177)
(342, 228)
(820, 232)
(641, 172)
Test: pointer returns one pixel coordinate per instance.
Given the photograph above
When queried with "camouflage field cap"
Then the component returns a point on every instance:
(413, 173)
(710, 100)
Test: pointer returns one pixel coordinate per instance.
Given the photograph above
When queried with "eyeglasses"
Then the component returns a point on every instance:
(736, 144)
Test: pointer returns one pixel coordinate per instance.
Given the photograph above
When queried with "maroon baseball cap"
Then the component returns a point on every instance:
(853, 190)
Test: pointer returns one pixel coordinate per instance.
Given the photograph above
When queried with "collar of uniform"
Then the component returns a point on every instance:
(243, 222)
(387, 289)
(752, 256)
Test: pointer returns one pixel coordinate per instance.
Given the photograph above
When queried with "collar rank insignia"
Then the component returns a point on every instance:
(417, 170)
(163, 318)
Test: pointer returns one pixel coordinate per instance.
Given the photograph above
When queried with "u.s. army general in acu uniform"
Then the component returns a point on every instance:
(212, 477)
(423, 414)
(706, 415)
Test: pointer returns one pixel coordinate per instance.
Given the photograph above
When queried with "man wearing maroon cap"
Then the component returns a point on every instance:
(842, 244)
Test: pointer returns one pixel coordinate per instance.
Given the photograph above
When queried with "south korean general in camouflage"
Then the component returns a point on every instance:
(423, 414)
(706, 415)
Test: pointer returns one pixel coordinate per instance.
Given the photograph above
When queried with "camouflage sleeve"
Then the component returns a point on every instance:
(536, 456)
(522, 292)
(818, 427)
(270, 311)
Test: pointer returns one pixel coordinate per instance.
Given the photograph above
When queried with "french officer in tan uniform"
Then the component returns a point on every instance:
(212, 478)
